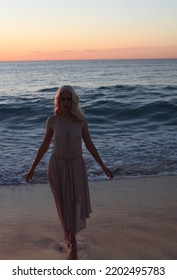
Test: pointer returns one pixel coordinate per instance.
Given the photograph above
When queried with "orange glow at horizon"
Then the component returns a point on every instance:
(119, 53)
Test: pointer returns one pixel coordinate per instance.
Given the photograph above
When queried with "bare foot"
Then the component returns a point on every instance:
(72, 255)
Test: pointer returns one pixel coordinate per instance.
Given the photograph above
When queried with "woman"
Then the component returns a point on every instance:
(67, 173)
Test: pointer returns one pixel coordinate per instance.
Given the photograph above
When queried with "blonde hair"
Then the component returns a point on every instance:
(76, 111)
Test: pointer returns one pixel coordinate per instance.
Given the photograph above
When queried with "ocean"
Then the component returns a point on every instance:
(130, 105)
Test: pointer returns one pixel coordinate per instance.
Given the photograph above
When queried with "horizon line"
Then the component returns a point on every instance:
(95, 59)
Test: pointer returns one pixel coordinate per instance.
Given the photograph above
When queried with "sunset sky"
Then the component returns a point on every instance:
(87, 29)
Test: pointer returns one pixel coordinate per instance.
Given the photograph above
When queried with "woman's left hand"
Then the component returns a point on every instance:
(108, 172)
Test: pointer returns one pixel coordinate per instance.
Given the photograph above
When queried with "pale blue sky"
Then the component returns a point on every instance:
(54, 26)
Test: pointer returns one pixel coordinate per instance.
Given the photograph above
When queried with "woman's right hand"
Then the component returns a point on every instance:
(29, 175)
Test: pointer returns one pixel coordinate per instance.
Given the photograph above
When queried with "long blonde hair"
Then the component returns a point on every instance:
(76, 111)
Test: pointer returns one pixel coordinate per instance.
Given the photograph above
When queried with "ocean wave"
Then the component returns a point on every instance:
(170, 87)
(158, 110)
(105, 109)
(119, 87)
(53, 89)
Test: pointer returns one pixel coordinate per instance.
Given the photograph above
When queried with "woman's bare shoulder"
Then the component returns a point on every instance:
(51, 120)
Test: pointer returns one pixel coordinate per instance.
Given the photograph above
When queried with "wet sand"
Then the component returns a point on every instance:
(132, 219)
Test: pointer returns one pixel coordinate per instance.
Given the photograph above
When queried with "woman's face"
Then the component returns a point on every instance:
(66, 101)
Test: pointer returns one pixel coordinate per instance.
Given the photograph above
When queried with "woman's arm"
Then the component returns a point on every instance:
(93, 151)
(42, 150)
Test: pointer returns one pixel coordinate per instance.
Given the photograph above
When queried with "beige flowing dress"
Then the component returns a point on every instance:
(67, 175)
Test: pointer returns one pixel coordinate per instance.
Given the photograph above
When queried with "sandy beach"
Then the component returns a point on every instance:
(131, 219)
